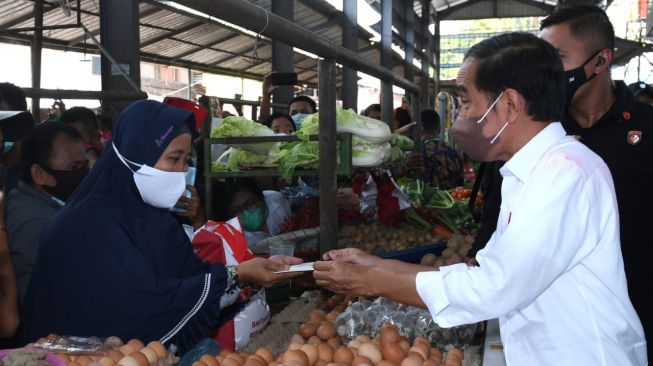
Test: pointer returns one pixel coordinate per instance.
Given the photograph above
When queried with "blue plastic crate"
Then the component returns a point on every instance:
(414, 255)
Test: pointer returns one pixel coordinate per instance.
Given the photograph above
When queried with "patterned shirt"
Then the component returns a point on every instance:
(443, 168)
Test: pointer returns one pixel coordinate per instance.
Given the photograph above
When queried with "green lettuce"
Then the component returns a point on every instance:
(234, 126)
(402, 142)
(368, 129)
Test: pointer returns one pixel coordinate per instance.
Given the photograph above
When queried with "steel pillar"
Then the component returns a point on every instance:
(424, 45)
(409, 16)
(328, 155)
(386, 60)
(282, 54)
(37, 46)
(120, 38)
(350, 42)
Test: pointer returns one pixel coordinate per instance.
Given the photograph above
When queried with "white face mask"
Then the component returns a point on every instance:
(157, 187)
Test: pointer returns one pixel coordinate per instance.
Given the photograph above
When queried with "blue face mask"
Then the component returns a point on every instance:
(297, 119)
(8, 146)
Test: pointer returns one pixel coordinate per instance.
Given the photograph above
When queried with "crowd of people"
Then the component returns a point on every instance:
(96, 232)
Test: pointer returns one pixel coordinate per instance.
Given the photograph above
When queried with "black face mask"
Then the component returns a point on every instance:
(576, 78)
(67, 182)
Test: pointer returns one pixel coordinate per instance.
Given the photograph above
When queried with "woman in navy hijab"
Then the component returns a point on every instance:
(114, 262)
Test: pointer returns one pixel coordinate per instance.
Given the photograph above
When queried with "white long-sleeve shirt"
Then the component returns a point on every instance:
(552, 272)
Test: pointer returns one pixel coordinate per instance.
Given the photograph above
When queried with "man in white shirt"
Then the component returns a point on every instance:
(552, 272)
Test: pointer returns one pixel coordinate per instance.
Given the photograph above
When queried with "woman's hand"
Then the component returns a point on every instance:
(261, 271)
(193, 208)
(352, 256)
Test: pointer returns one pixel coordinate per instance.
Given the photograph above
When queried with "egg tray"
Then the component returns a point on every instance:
(283, 325)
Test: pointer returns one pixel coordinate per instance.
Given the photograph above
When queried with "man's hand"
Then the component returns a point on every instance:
(261, 271)
(268, 88)
(406, 130)
(352, 256)
(346, 278)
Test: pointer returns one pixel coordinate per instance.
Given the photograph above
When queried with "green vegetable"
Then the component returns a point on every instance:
(413, 218)
(396, 154)
(370, 155)
(414, 189)
(234, 126)
(440, 199)
(303, 154)
(402, 142)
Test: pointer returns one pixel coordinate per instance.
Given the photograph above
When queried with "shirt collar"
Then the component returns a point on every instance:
(620, 110)
(30, 190)
(523, 162)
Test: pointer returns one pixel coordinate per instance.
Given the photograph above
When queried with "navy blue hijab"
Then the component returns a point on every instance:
(112, 265)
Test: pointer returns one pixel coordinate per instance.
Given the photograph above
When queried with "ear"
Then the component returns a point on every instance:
(604, 60)
(41, 177)
(515, 105)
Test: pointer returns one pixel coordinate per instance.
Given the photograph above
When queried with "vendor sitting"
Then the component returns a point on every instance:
(261, 212)
(115, 262)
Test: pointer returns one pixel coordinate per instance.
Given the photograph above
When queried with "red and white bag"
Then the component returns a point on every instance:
(224, 242)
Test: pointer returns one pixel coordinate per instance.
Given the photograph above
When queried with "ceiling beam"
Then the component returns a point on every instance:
(184, 28)
(209, 45)
(25, 17)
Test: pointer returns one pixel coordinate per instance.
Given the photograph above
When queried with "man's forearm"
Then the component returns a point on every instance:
(396, 285)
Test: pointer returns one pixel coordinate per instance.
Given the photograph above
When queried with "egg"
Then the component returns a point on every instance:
(115, 355)
(127, 349)
(388, 363)
(333, 364)
(343, 356)
(116, 341)
(158, 348)
(297, 339)
(140, 358)
(210, 360)
(420, 351)
(389, 333)
(326, 330)
(354, 351)
(230, 362)
(297, 356)
(334, 342)
(294, 346)
(393, 352)
(273, 363)
(236, 357)
(64, 357)
(73, 363)
(265, 354)
(294, 363)
(354, 344)
(128, 361)
(363, 339)
(320, 363)
(224, 352)
(316, 316)
(423, 346)
(279, 358)
(219, 358)
(199, 363)
(136, 343)
(106, 361)
(421, 339)
(314, 340)
(416, 355)
(332, 316)
(430, 362)
(253, 360)
(371, 351)
(308, 330)
(412, 361)
(361, 361)
(312, 352)
(245, 354)
(152, 357)
(84, 360)
(404, 344)
(325, 352)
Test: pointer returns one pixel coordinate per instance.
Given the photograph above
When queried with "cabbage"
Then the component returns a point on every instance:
(401, 141)
(302, 154)
(234, 126)
(370, 155)
(396, 154)
(237, 158)
(367, 129)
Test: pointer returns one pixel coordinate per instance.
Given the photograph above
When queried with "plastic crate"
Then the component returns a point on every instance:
(414, 255)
